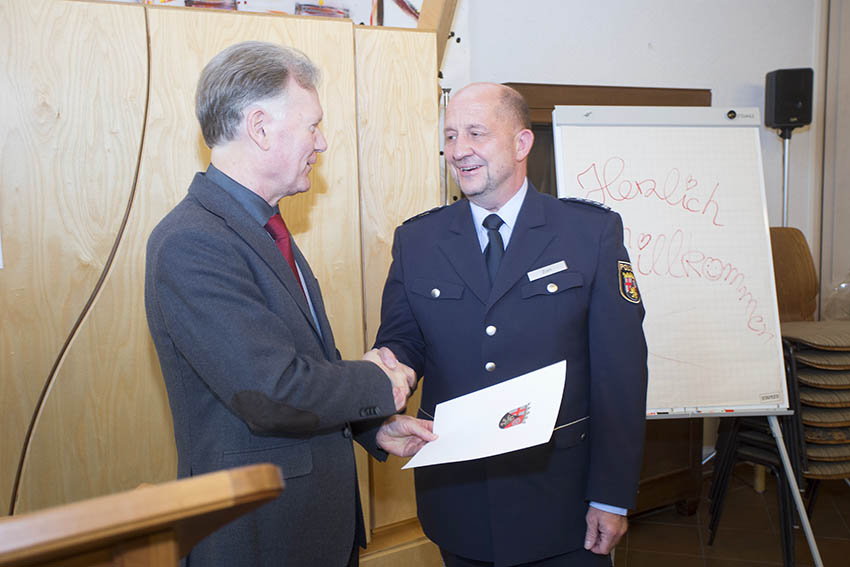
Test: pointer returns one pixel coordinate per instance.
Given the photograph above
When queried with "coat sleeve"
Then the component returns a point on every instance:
(618, 374)
(399, 330)
(366, 435)
(211, 319)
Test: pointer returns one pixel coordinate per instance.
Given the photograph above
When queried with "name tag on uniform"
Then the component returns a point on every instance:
(547, 270)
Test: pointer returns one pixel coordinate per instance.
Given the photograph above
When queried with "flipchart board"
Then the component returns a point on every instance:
(689, 186)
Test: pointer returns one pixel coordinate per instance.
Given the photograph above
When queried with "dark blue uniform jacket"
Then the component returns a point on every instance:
(441, 317)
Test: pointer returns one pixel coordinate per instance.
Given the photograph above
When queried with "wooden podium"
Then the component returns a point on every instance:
(152, 525)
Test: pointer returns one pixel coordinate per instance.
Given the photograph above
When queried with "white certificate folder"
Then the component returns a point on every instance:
(509, 416)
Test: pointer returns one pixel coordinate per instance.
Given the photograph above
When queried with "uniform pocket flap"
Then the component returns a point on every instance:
(435, 289)
(571, 435)
(552, 284)
(293, 460)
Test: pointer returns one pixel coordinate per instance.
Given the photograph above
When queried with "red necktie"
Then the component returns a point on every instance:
(277, 228)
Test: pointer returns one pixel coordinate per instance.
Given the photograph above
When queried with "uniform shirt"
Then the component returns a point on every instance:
(508, 213)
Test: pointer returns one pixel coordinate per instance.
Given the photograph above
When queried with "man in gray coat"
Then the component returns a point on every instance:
(239, 325)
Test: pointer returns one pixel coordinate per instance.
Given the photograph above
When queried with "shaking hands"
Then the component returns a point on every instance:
(400, 375)
(401, 435)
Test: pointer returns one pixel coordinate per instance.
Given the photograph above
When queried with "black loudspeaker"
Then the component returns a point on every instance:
(788, 98)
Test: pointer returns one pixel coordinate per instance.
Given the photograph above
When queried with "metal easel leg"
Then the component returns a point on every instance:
(795, 490)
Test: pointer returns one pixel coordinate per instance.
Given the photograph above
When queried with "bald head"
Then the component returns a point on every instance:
(509, 103)
(488, 138)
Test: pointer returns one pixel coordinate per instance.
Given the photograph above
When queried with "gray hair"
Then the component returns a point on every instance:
(241, 75)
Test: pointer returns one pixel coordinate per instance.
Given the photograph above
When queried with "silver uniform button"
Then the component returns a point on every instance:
(435, 293)
(490, 366)
(552, 287)
(490, 330)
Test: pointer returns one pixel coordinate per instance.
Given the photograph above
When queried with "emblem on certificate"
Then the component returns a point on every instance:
(515, 417)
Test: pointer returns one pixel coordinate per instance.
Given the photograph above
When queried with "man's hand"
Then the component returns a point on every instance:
(604, 530)
(403, 435)
(400, 375)
(390, 361)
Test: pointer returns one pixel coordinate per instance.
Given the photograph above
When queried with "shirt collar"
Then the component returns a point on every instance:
(256, 206)
(508, 213)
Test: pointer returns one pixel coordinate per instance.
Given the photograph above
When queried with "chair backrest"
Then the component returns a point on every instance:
(795, 275)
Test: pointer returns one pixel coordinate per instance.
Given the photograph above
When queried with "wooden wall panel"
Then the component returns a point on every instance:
(325, 220)
(398, 121)
(109, 427)
(72, 95)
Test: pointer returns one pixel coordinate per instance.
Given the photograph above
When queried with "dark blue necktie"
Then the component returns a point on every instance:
(495, 249)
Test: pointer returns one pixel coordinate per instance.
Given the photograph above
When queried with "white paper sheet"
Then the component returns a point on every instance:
(513, 415)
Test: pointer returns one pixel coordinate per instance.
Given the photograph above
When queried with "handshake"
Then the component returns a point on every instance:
(402, 377)
(401, 435)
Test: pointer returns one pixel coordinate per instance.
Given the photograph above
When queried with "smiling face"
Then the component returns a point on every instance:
(485, 145)
(292, 125)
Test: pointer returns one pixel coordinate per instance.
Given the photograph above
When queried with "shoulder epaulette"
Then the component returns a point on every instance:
(425, 214)
(590, 202)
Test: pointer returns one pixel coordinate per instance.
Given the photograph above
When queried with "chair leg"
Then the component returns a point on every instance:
(719, 461)
(814, 484)
(724, 475)
(786, 511)
(723, 462)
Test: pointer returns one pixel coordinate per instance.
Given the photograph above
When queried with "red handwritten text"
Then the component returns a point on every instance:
(674, 191)
(674, 256)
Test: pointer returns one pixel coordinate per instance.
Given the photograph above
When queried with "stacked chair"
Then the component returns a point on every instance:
(817, 367)
(822, 357)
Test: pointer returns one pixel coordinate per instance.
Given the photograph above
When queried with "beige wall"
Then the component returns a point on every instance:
(835, 264)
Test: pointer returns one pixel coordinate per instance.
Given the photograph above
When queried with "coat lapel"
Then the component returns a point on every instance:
(217, 201)
(528, 241)
(464, 253)
(312, 285)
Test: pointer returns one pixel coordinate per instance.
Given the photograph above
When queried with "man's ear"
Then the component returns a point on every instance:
(256, 121)
(524, 140)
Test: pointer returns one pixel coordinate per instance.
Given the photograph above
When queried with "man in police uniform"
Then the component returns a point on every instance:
(493, 287)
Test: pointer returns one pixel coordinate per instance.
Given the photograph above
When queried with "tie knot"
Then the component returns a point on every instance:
(493, 222)
(276, 227)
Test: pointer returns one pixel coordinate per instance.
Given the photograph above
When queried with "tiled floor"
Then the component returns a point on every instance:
(748, 533)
